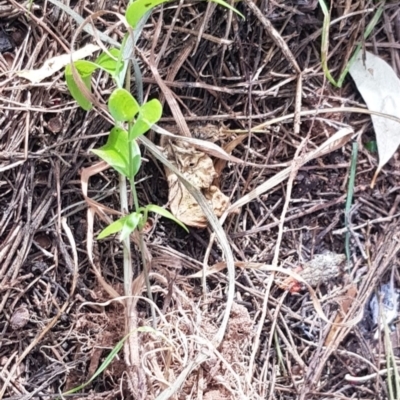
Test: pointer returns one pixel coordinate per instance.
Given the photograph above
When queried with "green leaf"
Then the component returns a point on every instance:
(77, 94)
(136, 159)
(103, 365)
(108, 64)
(116, 151)
(125, 225)
(122, 105)
(85, 70)
(130, 224)
(84, 67)
(165, 213)
(227, 5)
(136, 163)
(149, 114)
(122, 66)
(139, 8)
(115, 227)
(325, 42)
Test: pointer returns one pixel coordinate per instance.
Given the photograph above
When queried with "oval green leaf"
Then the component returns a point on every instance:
(130, 224)
(84, 67)
(116, 151)
(115, 227)
(109, 62)
(85, 70)
(149, 114)
(122, 105)
(136, 159)
(139, 8)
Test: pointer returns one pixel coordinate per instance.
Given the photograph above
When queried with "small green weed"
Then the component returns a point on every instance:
(122, 153)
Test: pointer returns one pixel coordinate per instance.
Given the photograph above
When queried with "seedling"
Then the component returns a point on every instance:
(122, 153)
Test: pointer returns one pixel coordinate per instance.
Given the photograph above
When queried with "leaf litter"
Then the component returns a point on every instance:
(283, 342)
(380, 88)
(199, 170)
(55, 64)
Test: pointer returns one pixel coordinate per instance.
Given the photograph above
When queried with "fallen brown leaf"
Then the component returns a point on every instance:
(198, 169)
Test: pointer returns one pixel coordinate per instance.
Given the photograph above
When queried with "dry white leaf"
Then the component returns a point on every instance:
(55, 64)
(379, 86)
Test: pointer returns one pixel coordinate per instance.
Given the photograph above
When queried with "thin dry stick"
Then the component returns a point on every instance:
(334, 142)
(366, 378)
(272, 332)
(275, 36)
(204, 270)
(296, 164)
(388, 248)
(41, 24)
(363, 225)
(297, 106)
(169, 96)
(28, 122)
(211, 6)
(256, 341)
(7, 378)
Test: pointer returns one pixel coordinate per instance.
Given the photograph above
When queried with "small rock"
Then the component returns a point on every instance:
(19, 318)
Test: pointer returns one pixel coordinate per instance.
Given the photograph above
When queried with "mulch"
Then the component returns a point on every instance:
(57, 327)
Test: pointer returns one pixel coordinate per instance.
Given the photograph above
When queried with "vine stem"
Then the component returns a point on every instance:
(128, 276)
(145, 263)
(146, 267)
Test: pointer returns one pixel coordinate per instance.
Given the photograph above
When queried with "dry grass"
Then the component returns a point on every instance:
(208, 67)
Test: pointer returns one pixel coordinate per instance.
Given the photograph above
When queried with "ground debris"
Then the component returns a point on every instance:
(321, 269)
(198, 169)
(227, 76)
